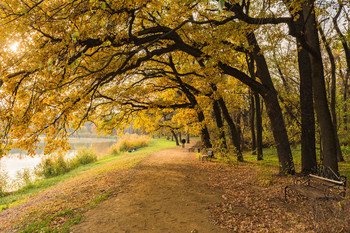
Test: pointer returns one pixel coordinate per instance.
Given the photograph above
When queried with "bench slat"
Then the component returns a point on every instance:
(324, 188)
(326, 179)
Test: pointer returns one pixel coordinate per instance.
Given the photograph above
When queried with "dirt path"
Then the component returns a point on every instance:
(167, 194)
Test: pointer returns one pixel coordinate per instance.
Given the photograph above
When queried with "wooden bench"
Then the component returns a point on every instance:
(321, 185)
(209, 156)
(195, 147)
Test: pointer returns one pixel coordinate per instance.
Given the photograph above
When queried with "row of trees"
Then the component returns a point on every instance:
(202, 66)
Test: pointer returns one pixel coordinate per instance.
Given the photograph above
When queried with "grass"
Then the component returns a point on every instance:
(73, 193)
(271, 160)
(58, 165)
(130, 142)
(99, 166)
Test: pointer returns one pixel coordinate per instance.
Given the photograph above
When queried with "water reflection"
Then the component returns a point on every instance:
(17, 160)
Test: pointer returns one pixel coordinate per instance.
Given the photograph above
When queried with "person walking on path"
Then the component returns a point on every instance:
(183, 141)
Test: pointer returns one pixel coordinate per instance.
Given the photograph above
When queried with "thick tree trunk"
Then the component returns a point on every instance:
(273, 109)
(333, 92)
(346, 48)
(308, 142)
(205, 137)
(219, 124)
(320, 96)
(279, 131)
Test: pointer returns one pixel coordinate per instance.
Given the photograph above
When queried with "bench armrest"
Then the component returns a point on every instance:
(301, 180)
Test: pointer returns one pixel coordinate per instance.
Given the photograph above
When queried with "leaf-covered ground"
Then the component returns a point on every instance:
(169, 190)
(253, 201)
(60, 206)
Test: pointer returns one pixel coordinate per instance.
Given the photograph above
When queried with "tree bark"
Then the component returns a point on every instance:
(345, 99)
(255, 99)
(219, 124)
(347, 57)
(333, 92)
(259, 128)
(320, 96)
(266, 90)
(233, 129)
(252, 123)
(308, 142)
(273, 109)
(239, 129)
(205, 136)
(175, 136)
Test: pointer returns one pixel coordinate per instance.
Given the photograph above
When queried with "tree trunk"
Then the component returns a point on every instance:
(320, 96)
(333, 92)
(175, 136)
(239, 129)
(345, 99)
(205, 137)
(308, 142)
(266, 89)
(346, 48)
(273, 109)
(233, 130)
(219, 124)
(259, 128)
(188, 137)
(279, 131)
(252, 123)
(255, 103)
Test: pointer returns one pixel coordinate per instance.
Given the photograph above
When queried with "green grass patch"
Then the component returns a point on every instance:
(271, 160)
(101, 166)
(58, 165)
(72, 213)
(130, 142)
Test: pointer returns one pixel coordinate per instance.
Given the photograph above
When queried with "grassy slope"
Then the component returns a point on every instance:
(96, 182)
(271, 160)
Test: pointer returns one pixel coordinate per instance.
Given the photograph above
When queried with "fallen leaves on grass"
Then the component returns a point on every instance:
(253, 201)
(60, 206)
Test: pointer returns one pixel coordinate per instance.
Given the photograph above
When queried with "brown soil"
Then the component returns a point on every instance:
(167, 193)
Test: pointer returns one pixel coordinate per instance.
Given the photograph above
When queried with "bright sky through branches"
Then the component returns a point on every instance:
(14, 46)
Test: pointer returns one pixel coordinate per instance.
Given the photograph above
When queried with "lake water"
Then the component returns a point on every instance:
(17, 161)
